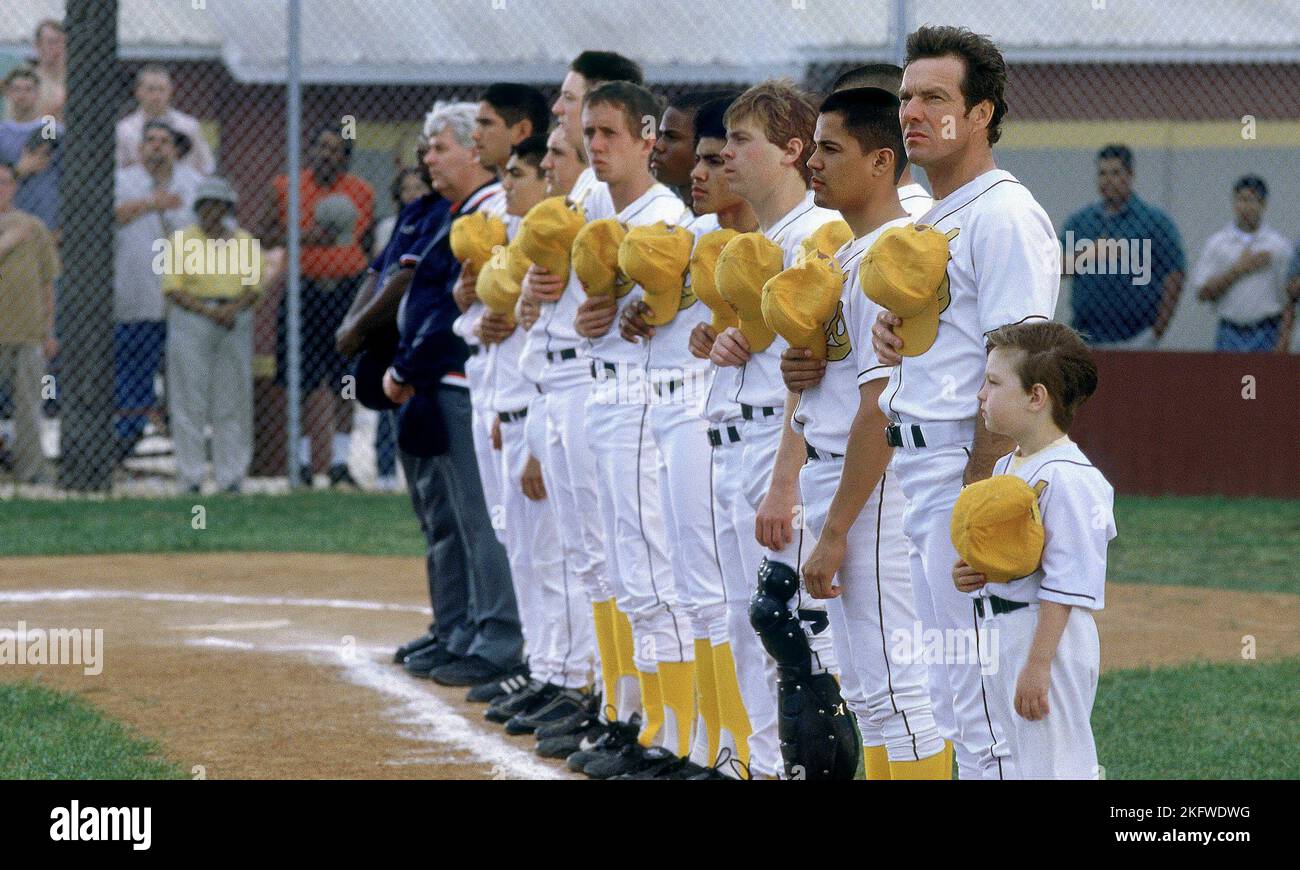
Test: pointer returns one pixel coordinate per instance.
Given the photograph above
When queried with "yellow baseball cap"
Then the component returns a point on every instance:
(704, 260)
(517, 263)
(595, 258)
(827, 238)
(744, 266)
(495, 287)
(657, 257)
(546, 234)
(997, 528)
(798, 302)
(906, 272)
(473, 237)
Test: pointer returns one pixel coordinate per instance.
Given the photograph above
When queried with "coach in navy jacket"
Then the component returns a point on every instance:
(467, 567)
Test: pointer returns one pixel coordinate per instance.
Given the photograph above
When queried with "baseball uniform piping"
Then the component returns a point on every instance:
(640, 522)
(880, 610)
(983, 697)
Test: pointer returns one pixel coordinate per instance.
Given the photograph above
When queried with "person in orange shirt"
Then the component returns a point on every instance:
(336, 222)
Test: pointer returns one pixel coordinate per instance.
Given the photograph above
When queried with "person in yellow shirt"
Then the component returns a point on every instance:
(211, 279)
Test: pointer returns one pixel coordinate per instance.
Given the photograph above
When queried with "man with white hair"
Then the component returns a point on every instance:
(476, 635)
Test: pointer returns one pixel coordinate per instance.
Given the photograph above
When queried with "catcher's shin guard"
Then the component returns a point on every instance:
(816, 731)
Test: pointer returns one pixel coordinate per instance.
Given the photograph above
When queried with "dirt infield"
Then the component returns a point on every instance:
(277, 665)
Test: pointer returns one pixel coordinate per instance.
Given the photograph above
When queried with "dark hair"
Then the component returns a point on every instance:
(606, 66)
(395, 189)
(330, 128)
(21, 72)
(871, 116)
(886, 76)
(179, 139)
(515, 103)
(1252, 182)
(152, 69)
(1122, 153)
(531, 150)
(690, 102)
(1054, 356)
(638, 104)
(986, 71)
(708, 119)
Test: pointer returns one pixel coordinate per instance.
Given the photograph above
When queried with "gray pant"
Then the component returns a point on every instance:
(21, 367)
(469, 576)
(210, 383)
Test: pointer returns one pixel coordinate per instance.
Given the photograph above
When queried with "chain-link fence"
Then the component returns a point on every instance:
(1132, 123)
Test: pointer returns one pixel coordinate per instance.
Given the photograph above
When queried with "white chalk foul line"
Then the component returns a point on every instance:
(37, 595)
(428, 717)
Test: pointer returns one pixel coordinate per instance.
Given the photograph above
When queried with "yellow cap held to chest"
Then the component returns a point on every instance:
(997, 528)
(657, 257)
(595, 258)
(746, 263)
(704, 262)
(906, 272)
(799, 301)
(827, 239)
(546, 234)
(474, 236)
(496, 286)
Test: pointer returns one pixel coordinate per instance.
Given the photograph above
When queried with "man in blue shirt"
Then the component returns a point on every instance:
(467, 564)
(1126, 260)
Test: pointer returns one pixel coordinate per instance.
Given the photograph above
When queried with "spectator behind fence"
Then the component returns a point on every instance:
(153, 94)
(1122, 300)
(152, 200)
(29, 140)
(210, 342)
(51, 48)
(1243, 271)
(336, 220)
(29, 263)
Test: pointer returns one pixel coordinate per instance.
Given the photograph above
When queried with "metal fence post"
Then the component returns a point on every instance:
(293, 295)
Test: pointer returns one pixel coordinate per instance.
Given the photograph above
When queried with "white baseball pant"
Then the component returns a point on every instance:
(931, 479)
(555, 619)
(889, 694)
(1060, 745)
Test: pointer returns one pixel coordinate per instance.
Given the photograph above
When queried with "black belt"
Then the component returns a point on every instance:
(814, 453)
(473, 349)
(512, 416)
(669, 387)
(715, 435)
(567, 353)
(607, 366)
(749, 412)
(998, 605)
(894, 435)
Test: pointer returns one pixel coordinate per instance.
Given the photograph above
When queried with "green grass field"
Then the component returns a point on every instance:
(55, 735)
(1246, 544)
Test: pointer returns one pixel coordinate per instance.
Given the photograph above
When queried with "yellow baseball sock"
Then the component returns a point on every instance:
(623, 639)
(707, 694)
(677, 680)
(875, 762)
(603, 613)
(937, 766)
(948, 752)
(731, 707)
(652, 701)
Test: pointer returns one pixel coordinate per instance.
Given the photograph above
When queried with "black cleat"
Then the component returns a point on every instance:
(530, 699)
(423, 662)
(467, 671)
(562, 705)
(613, 737)
(493, 690)
(414, 646)
(631, 759)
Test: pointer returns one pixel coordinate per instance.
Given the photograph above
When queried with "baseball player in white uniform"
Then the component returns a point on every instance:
(619, 432)
(1042, 692)
(851, 503)
(1003, 268)
(769, 131)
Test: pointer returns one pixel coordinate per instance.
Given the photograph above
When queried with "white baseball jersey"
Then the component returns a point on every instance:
(825, 412)
(1078, 508)
(759, 382)
(1004, 267)
(915, 199)
(556, 318)
(658, 203)
(510, 390)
